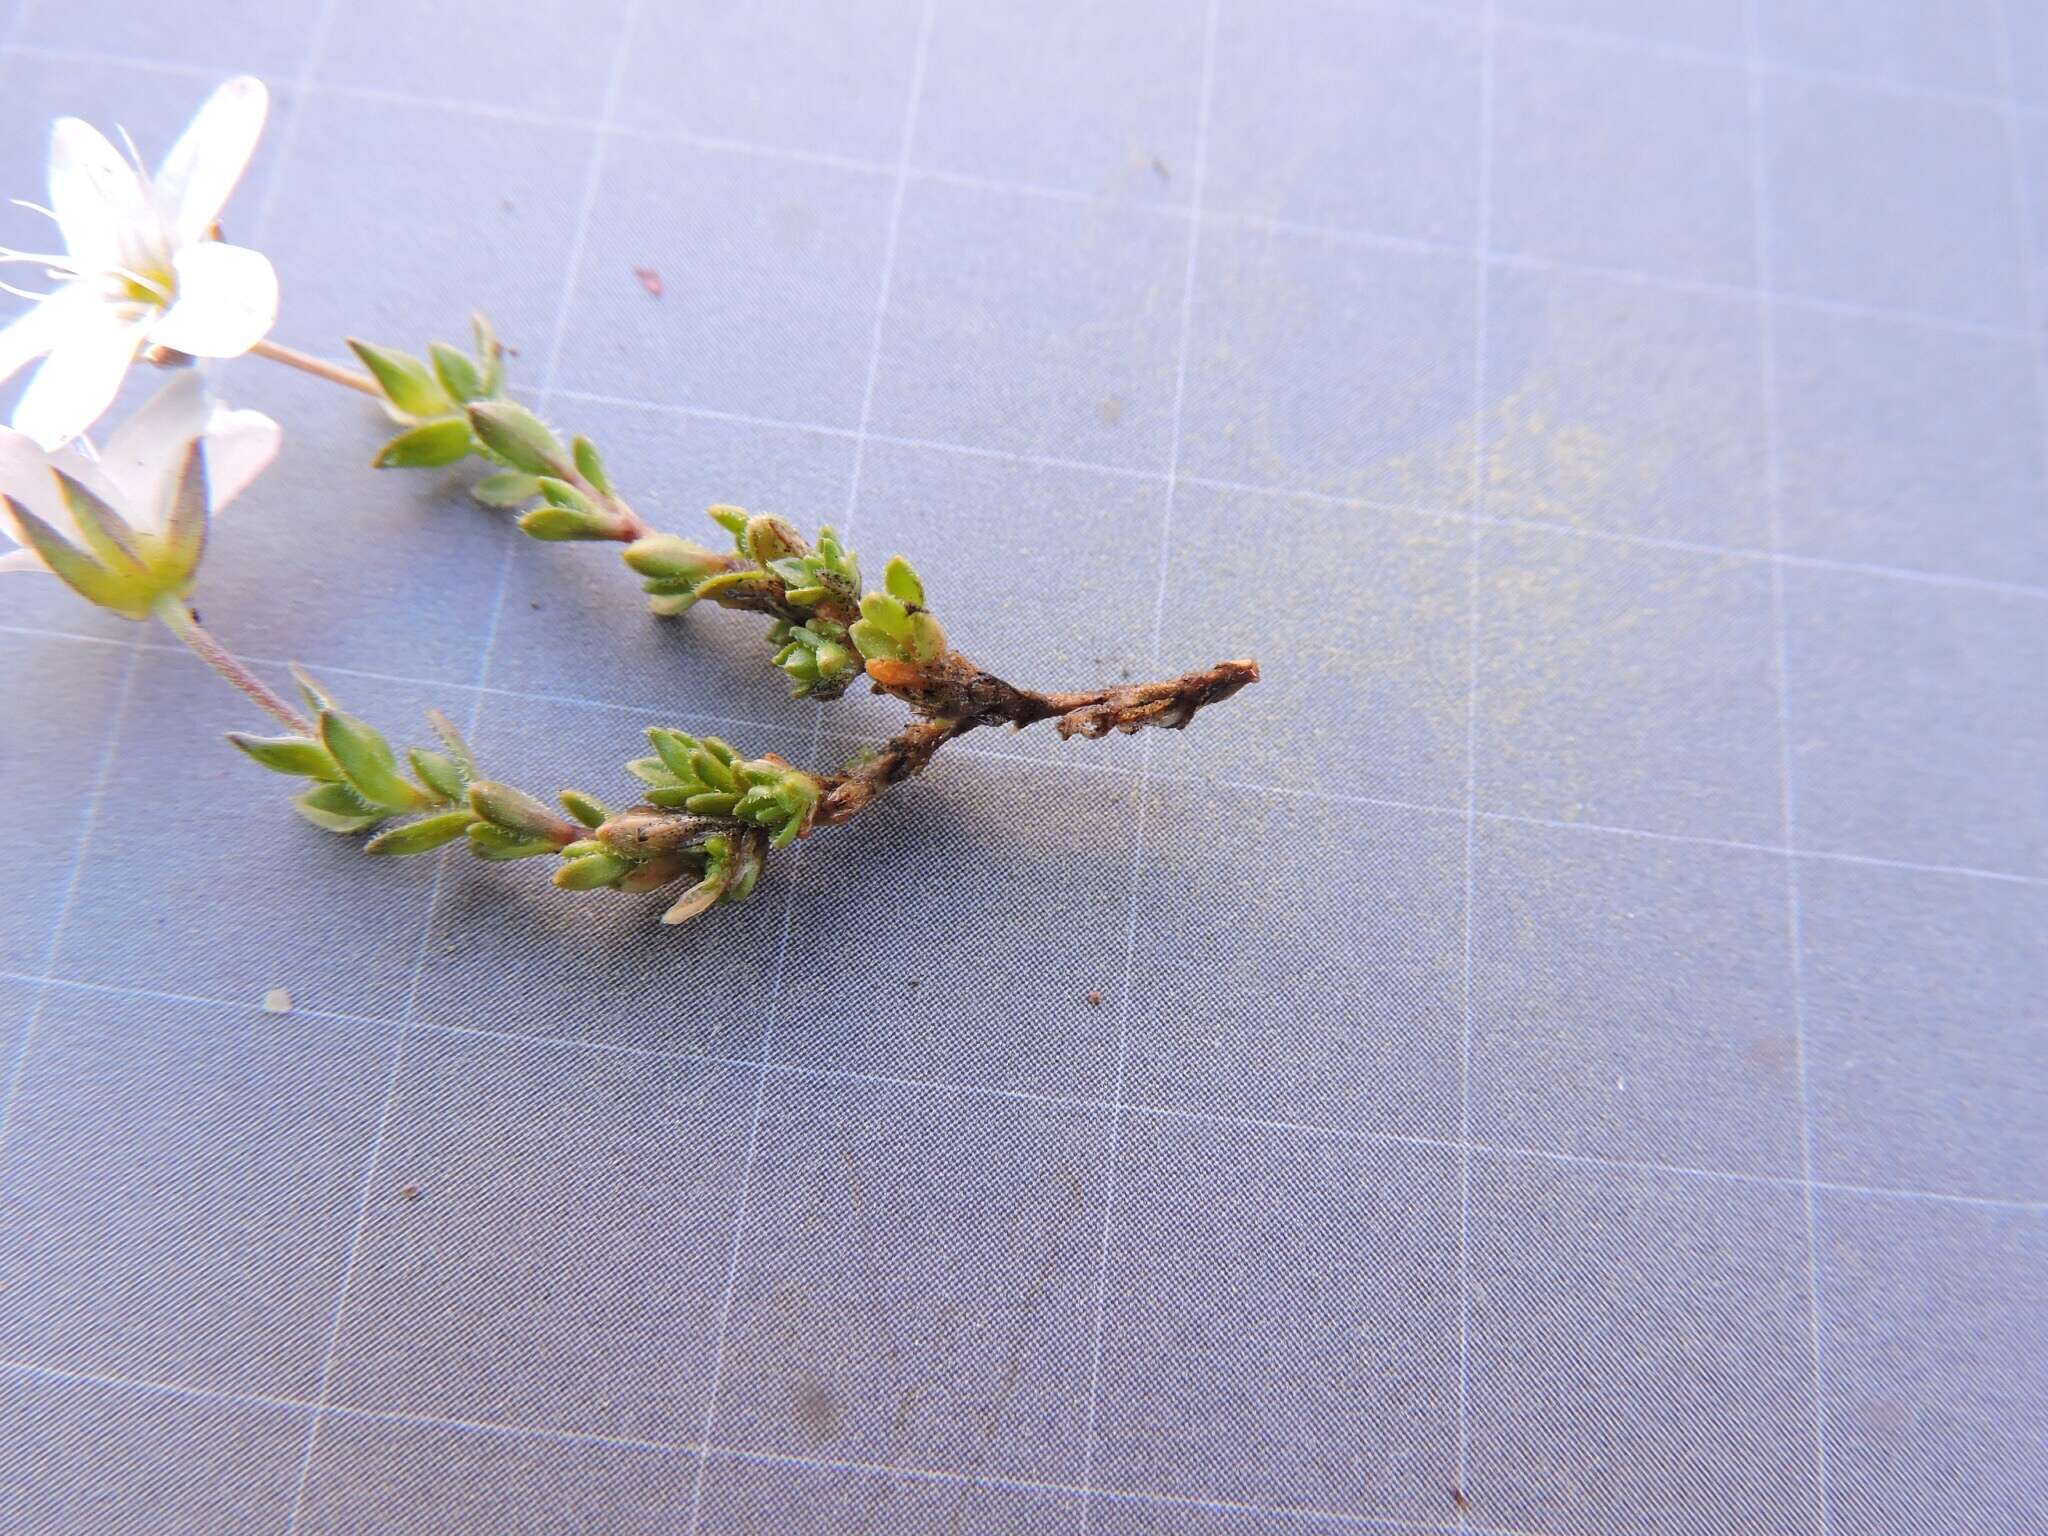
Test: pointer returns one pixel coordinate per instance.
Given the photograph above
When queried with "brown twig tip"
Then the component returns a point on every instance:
(1169, 705)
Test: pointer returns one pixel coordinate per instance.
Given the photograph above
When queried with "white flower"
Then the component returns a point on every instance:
(141, 266)
(138, 478)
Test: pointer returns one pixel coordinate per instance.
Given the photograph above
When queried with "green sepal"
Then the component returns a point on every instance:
(299, 756)
(506, 488)
(106, 533)
(439, 773)
(406, 382)
(902, 582)
(317, 697)
(422, 836)
(366, 760)
(129, 596)
(519, 437)
(337, 808)
(591, 813)
(429, 445)
(458, 375)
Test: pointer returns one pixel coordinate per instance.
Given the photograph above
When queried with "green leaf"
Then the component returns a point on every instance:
(558, 525)
(724, 751)
(336, 808)
(438, 773)
(674, 749)
(650, 770)
(873, 641)
(927, 637)
(711, 586)
(490, 352)
(500, 845)
(591, 813)
(519, 437)
(411, 389)
(458, 375)
(517, 811)
(426, 446)
(317, 698)
(665, 556)
(421, 836)
(296, 755)
(902, 582)
(733, 520)
(887, 613)
(367, 761)
(770, 538)
(592, 871)
(451, 738)
(506, 488)
(710, 769)
(589, 465)
(717, 802)
(671, 797)
(92, 581)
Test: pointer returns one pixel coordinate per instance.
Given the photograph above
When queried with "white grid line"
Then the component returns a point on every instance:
(1480, 312)
(2024, 211)
(1113, 1152)
(914, 95)
(1794, 932)
(387, 1111)
(1066, 1101)
(968, 748)
(705, 1450)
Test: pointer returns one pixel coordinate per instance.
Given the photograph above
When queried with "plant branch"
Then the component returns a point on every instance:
(319, 367)
(180, 621)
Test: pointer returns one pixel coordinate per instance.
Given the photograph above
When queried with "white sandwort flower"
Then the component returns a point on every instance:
(141, 266)
(139, 478)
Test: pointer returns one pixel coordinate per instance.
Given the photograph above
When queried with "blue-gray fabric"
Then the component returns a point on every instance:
(1571, 1053)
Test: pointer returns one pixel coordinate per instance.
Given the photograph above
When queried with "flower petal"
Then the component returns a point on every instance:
(193, 184)
(148, 449)
(97, 196)
(25, 475)
(33, 334)
(239, 447)
(226, 301)
(79, 379)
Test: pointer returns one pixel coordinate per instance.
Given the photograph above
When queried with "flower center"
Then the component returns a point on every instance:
(147, 285)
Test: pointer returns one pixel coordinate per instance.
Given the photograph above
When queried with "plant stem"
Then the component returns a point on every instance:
(180, 621)
(319, 367)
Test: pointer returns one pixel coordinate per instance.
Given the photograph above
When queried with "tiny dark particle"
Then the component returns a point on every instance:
(1458, 1498)
(915, 983)
(649, 279)
(1094, 999)
(1159, 168)
(410, 1192)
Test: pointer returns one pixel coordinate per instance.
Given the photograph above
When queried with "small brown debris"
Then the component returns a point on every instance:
(277, 1000)
(409, 1193)
(1458, 1498)
(915, 983)
(649, 279)
(1094, 999)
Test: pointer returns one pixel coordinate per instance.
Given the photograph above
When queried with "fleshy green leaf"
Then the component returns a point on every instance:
(458, 375)
(317, 698)
(406, 382)
(591, 813)
(557, 524)
(902, 582)
(506, 488)
(500, 845)
(421, 836)
(592, 871)
(451, 738)
(367, 761)
(296, 755)
(438, 773)
(337, 808)
(874, 641)
(589, 465)
(426, 446)
(733, 520)
(517, 811)
(886, 613)
(519, 437)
